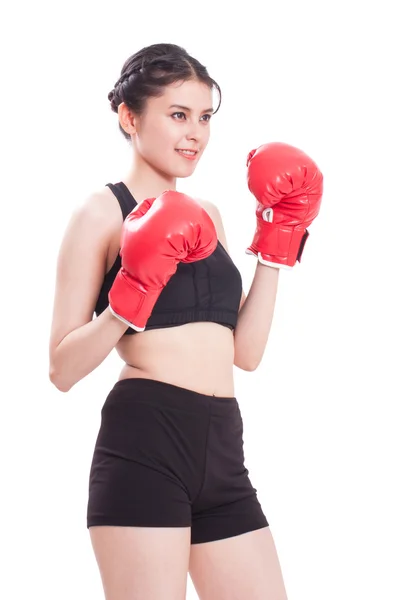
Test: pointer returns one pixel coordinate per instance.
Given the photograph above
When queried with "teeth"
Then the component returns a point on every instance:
(190, 152)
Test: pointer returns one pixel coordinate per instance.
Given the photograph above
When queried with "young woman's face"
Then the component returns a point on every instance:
(176, 121)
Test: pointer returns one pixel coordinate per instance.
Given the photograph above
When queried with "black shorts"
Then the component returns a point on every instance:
(166, 456)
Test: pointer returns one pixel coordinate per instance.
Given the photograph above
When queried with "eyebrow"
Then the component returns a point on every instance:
(188, 109)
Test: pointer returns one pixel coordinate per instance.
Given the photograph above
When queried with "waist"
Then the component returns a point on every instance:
(196, 356)
(131, 391)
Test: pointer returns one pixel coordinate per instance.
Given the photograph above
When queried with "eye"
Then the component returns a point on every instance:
(180, 116)
(179, 113)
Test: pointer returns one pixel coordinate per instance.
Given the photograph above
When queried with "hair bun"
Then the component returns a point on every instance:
(149, 71)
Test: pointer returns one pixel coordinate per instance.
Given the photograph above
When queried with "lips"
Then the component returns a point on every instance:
(187, 153)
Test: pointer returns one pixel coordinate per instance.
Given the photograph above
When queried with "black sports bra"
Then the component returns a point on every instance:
(206, 290)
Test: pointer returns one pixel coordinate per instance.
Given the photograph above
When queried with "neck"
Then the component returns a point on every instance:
(143, 181)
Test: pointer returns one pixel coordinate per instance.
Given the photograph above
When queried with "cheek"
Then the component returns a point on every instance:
(206, 137)
(158, 147)
(159, 136)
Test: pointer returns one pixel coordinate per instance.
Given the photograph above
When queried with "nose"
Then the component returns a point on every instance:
(195, 130)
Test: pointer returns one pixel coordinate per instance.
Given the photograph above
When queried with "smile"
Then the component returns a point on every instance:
(190, 154)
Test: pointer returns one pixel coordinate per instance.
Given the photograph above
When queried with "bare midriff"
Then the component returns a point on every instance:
(195, 356)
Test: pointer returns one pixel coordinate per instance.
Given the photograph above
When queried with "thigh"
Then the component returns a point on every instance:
(244, 567)
(142, 562)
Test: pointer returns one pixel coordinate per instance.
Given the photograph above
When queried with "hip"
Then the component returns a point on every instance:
(160, 424)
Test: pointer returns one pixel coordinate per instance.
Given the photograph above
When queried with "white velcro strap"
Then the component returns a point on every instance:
(272, 264)
(125, 321)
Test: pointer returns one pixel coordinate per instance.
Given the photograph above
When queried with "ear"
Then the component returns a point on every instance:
(127, 118)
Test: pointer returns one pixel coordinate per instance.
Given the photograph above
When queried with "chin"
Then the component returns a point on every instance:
(176, 171)
(186, 170)
(183, 175)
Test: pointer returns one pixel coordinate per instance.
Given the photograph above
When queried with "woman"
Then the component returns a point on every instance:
(169, 492)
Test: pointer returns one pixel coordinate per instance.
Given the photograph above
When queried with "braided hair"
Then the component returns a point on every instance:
(146, 73)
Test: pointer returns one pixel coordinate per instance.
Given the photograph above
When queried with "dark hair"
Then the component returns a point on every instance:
(146, 73)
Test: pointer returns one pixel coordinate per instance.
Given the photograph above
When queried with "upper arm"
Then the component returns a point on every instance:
(81, 265)
(217, 219)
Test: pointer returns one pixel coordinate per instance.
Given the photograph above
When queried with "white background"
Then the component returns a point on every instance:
(320, 413)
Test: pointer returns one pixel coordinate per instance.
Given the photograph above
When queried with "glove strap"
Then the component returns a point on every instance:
(129, 303)
(278, 245)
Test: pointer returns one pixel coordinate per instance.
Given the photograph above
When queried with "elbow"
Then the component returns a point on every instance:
(247, 354)
(246, 364)
(58, 381)
(250, 367)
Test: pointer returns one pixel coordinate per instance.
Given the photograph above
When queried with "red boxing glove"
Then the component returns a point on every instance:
(157, 235)
(288, 187)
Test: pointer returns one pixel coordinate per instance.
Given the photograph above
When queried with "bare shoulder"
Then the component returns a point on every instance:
(215, 214)
(91, 223)
(99, 206)
(95, 221)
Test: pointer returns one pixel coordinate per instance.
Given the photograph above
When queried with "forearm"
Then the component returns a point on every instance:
(84, 349)
(255, 318)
